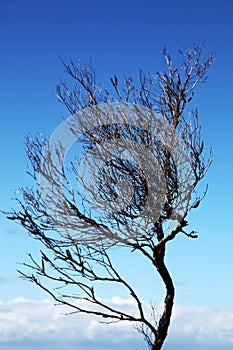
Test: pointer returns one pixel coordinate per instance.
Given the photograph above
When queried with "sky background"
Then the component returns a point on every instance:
(121, 37)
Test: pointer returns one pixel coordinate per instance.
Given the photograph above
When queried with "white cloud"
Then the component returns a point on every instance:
(35, 320)
(203, 324)
(22, 318)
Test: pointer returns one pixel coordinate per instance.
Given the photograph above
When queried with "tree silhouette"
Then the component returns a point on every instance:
(132, 184)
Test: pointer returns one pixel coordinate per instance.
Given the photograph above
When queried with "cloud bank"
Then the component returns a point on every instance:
(42, 322)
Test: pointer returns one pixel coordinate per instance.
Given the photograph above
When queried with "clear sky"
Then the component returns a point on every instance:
(121, 37)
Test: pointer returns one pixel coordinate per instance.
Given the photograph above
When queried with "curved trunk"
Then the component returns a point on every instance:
(165, 319)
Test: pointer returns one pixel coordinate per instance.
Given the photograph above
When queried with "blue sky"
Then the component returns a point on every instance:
(121, 37)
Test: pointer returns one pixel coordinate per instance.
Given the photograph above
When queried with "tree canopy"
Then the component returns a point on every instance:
(133, 183)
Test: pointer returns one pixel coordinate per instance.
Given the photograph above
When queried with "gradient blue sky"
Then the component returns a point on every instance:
(121, 37)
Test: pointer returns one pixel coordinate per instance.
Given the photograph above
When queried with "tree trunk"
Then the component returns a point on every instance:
(165, 319)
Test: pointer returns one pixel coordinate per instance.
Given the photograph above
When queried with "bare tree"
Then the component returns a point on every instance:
(146, 153)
